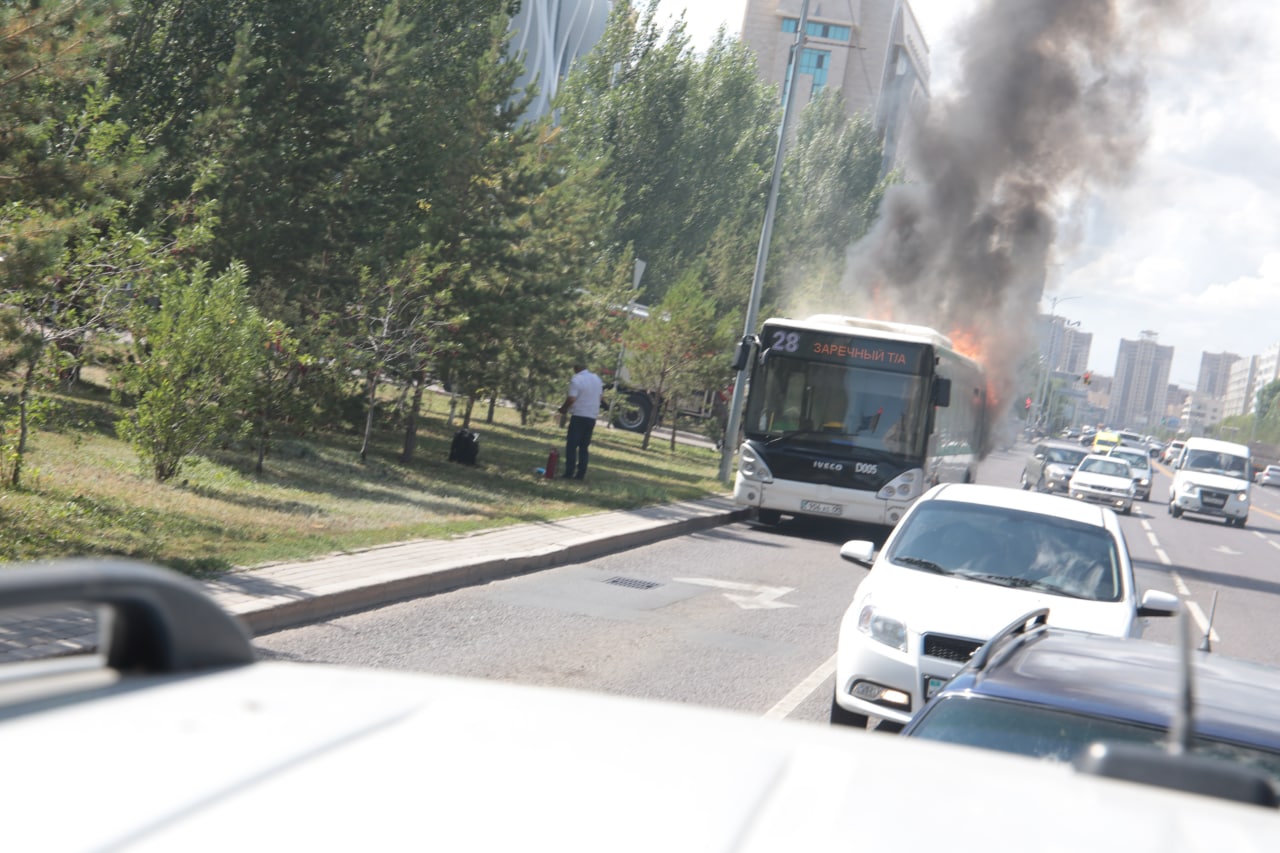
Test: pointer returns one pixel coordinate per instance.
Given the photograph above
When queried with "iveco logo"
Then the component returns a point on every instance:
(828, 466)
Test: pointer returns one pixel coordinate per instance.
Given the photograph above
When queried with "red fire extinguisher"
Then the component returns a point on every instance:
(552, 461)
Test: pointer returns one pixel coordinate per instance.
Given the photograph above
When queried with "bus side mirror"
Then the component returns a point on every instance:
(941, 391)
(742, 353)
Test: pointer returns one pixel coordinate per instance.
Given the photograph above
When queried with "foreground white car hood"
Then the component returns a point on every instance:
(929, 603)
(308, 757)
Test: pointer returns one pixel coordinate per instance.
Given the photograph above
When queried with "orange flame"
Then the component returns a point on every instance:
(971, 344)
(967, 343)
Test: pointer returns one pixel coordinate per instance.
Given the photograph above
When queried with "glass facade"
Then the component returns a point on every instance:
(833, 32)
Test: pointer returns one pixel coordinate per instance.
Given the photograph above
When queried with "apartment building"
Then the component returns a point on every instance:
(1215, 373)
(871, 50)
(1240, 387)
(1141, 382)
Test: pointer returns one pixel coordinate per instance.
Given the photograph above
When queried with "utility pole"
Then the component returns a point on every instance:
(762, 251)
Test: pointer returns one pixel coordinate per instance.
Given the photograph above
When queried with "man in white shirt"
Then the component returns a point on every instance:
(582, 404)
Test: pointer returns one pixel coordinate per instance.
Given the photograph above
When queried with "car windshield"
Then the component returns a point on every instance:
(1110, 467)
(1011, 547)
(1138, 461)
(1058, 735)
(1213, 462)
(1065, 456)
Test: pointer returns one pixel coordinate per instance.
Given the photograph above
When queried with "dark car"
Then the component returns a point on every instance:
(1054, 694)
(1049, 465)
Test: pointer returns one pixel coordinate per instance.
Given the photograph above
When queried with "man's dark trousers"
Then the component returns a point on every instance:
(576, 444)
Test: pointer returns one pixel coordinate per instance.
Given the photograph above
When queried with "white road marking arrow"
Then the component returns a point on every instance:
(761, 598)
(1223, 549)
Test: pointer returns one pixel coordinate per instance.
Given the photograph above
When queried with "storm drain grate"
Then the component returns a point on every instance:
(632, 583)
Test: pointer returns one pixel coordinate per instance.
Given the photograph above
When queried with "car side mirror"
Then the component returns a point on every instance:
(742, 354)
(860, 551)
(1158, 603)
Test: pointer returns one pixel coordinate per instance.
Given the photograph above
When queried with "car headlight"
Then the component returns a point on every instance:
(752, 467)
(1144, 482)
(1242, 497)
(907, 486)
(882, 629)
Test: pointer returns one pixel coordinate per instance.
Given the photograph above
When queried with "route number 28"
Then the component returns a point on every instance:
(785, 341)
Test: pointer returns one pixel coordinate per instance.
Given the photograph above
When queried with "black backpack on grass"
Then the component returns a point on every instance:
(465, 447)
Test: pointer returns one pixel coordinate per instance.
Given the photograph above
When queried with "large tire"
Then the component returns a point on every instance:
(841, 717)
(769, 517)
(1175, 510)
(633, 412)
(1024, 482)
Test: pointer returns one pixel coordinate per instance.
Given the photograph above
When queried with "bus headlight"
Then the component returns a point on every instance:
(752, 467)
(907, 486)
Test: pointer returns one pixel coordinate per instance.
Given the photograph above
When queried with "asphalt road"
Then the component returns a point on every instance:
(745, 618)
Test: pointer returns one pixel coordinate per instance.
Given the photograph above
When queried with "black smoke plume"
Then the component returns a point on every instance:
(1048, 106)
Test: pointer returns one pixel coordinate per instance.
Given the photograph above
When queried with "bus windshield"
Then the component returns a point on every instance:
(822, 403)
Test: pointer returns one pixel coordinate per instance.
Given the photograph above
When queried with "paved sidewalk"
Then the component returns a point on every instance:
(283, 595)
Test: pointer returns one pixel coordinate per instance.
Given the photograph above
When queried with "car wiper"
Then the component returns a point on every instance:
(1054, 588)
(799, 433)
(999, 580)
(922, 563)
(1023, 583)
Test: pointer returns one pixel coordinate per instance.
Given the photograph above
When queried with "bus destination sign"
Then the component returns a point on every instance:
(851, 350)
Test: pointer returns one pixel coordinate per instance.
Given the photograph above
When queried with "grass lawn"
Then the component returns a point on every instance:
(84, 492)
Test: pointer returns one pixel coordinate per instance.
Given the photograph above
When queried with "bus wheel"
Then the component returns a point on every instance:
(633, 412)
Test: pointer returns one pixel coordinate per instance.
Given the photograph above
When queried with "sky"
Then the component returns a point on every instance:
(1188, 246)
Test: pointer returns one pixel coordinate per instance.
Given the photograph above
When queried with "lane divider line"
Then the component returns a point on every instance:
(802, 691)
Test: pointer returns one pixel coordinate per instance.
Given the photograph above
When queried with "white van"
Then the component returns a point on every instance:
(1212, 478)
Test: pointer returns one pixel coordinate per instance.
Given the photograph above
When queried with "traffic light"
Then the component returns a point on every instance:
(1088, 377)
(1027, 405)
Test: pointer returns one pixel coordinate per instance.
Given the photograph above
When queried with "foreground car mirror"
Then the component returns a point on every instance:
(1157, 603)
(859, 551)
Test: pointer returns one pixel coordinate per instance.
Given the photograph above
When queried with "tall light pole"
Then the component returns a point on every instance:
(762, 251)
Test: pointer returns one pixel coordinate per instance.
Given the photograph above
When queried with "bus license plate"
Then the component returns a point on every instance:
(821, 508)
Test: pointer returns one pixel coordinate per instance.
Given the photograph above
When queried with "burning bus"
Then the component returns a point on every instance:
(852, 418)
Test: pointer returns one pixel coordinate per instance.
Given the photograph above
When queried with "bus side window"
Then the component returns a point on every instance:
(941, 391)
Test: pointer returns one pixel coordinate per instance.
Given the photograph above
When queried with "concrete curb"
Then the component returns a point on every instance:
(277, 597)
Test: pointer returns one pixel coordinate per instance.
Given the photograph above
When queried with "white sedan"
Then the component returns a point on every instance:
(1269, 476)
(1104, 479)
(964, 562)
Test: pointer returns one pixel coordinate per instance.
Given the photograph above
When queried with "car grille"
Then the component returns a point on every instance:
(958, 649)
(1217, 499)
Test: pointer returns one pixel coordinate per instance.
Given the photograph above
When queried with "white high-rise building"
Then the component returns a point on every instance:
(1240, 387)
(551, 35)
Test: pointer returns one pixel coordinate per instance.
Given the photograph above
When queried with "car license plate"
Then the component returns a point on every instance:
(821, 508)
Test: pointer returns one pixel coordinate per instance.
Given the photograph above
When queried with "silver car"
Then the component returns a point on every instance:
(1140, 463)
(1050, 464)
